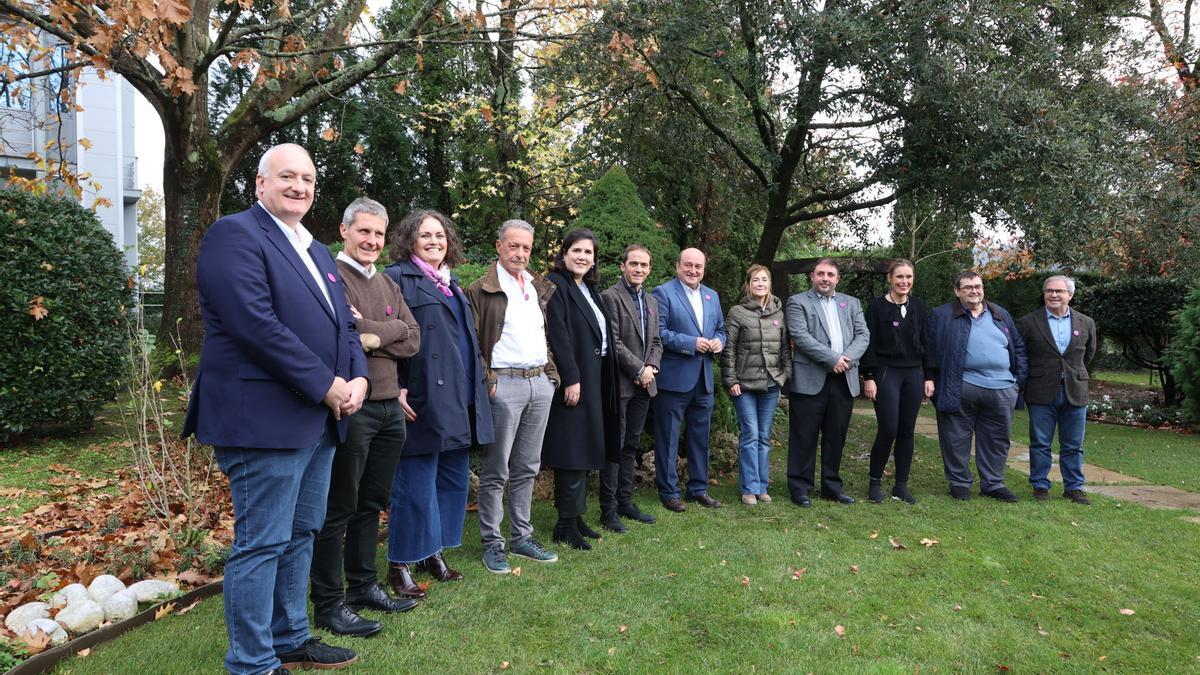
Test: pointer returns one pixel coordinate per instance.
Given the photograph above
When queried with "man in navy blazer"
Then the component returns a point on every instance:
(692, 327)
(280, 371)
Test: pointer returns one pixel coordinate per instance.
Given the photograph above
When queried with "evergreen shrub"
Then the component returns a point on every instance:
(64, 291)
(615, 213)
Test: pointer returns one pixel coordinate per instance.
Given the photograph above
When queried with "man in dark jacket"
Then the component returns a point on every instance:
(981, 367)
(1061, 343)
(639, 350)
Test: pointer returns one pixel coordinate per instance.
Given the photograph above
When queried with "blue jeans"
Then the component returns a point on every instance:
(1071, 421)
(755, 412)
(279, 499)
(691, 410)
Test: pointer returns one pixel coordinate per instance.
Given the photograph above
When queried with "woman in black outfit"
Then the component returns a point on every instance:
(898, 373)
(582, 433)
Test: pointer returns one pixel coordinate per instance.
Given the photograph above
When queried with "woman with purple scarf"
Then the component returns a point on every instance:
(441, 386)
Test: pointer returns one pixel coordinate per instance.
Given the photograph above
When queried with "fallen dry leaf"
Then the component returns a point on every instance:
(35, 639)
(745, 581)
(854, 569)
(958, 608)
(624, 628)
(896, 544)
(929, 542)
(1128, 612)
(1035, 596)
(164, 610)
(84, 653)
(612, 650)
(874, 534)
(799, 574)
(672, 574)
(505, 665)
(516, 571)
(189, 608)
(822, 526)
(840, 630)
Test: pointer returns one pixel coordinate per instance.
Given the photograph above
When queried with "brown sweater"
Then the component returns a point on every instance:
(385, 314)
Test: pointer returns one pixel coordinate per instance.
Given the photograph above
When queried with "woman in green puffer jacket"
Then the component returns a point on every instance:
(754, 368)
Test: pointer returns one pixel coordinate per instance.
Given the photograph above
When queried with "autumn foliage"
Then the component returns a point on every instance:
(64, 296)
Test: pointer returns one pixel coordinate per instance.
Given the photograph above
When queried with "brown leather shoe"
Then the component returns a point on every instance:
(1041, 494)
(401, 581)
(436, 565)
(704, 500)
(673, 504)
(1077, 496)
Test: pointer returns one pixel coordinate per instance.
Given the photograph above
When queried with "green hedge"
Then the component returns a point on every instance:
(64, 292)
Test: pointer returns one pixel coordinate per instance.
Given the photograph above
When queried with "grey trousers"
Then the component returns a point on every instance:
(520, 410)
(985, 414)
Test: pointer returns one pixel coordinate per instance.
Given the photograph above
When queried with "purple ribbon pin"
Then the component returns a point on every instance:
(1075, 332)
(388, 311)
(841, 304)
(332, 279)
(895, 324)
(707, 297)
(775, 322)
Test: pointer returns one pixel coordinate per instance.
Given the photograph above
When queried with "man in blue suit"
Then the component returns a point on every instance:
(280, 371)
(693, 333)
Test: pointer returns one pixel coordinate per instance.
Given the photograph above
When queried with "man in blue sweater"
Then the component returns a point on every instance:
(981, 367)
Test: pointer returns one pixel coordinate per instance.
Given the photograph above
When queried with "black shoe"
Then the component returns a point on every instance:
(673, 504)
(875, 492)
(566, 531)
(610, 522)
(900, 491)
(960, 492)
(1041, 494)
(376, 597)
(1001, 493)
(316, 654)
(585, 530)
(703, 500)
(841, 498)
(342, 621)
(279, 671)
(802, 500)
(632, 512)
(1077, 496)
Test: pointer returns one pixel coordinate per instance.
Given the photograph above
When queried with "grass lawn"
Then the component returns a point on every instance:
(1140, 378)
(1028, 587)
(1157, 456)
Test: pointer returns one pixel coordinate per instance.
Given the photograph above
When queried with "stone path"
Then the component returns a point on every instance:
(1099, 480)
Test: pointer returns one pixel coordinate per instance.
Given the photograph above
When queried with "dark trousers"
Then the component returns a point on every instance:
(693, 411)
(570, 492)
(826, 413)
(985, 415)
(897, 401)
(616, 478)
(360, 484)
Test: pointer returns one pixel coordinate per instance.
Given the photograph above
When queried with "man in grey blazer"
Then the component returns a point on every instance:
(829, 335)
(1060, 343)
(638, 345)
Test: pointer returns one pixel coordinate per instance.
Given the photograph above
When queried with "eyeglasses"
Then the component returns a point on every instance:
(972, 287)
(1056, 291)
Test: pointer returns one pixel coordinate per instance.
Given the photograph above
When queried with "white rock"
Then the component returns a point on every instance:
(21, 616)
(81, 617)
(47, 626)
(152, 590)
(120, 606)
(103, 586)
(69, 595)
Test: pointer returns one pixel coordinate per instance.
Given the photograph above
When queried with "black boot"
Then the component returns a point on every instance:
(610, 522)
(875, 491)
(585, 530)
(566, 531)
(900, 491)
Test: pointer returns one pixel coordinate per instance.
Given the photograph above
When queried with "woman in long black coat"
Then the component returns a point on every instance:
(582, 433)
(445, 402)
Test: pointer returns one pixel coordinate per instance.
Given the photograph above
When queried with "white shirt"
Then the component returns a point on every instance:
(599, 317)
(522, 342)
(300, 239)
(830, 305)
(693, 296)
(367, 272)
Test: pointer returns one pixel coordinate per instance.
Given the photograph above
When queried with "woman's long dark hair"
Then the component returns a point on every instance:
(592, 277)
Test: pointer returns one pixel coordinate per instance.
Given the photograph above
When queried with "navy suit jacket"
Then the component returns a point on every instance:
(681, 366)
(272, 346)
